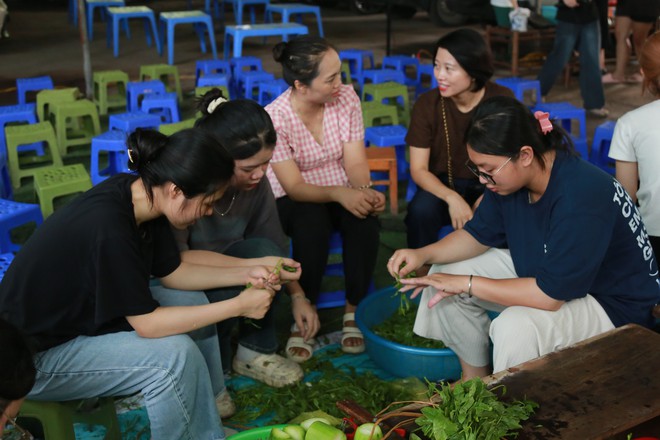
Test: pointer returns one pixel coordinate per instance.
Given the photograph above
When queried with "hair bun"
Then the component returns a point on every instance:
(144, 146)
(278, 51)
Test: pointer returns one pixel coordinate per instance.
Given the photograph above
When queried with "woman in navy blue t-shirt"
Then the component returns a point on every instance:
(557, 246)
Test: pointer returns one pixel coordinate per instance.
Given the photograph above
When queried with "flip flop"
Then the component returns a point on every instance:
(351, 332)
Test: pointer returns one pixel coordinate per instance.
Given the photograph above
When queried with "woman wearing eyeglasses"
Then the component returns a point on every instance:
(447, 192)
(17, 374)
(556, 246)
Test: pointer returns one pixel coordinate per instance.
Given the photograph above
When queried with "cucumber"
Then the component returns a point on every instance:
(322, 431)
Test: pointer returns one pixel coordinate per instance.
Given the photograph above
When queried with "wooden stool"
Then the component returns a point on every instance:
(384, 159)
(53, 182)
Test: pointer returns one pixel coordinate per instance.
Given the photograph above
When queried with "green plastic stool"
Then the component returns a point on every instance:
(170, 129)
(105, 82)
(81, 114)
(374, 111)
(27, 134)
(346, 73)
(46, 98)
(53, 182)
(391, 91)
(165, 73)
(57, 418)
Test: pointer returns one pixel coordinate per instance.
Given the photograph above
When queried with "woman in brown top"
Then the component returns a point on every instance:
(447, 190)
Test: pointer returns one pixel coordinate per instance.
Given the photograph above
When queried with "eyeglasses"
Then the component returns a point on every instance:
(15, 432)
(480, 174)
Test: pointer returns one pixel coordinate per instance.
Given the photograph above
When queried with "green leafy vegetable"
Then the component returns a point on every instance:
(470, 411)
(398, 328)
(404, 301)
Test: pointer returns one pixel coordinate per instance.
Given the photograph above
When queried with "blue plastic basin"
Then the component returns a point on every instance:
(397, 359)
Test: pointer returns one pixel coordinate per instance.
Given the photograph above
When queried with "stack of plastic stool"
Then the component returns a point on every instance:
(27, 134)
(82, 114)
(199, 19)
(53, 182)
(25, 85)
(113, 143)
(168, 75)
(164, 106)
(208, 67)
(250, 83)
(131, 121)
(378, 76)
(103, 82)
(240, 65)
(135, 91)
(12, 215)
(46, 98)
(374, 113)
(520, 85)
(355, 59)
(22, 113)
(390, 91)
(401, 63)
(269, 90)
(214, 80)
(566, 113)
(600, 147)
(424, 70)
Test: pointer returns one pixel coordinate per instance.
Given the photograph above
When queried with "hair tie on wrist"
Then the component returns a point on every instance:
(544, 121)
(215, 103)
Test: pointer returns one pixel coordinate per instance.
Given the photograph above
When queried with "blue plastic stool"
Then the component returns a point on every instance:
(200, 20)
(423, 71)
(520, 85)
(213, 80)
(131, 121)
(25, 85)
(23, 113)
(137, 89)
(270, 90)
(240, 4)
(165, 106)
(600, 147)
(387, 136)
(5, 261)
(209, 67)
(91, 5)
(12, 215)
(294, 9)
(112, 142)
(355, 59)
(249, 83)
(378, 76)
(401, 63)
(234, 35)
(565, 112)
(122, 14)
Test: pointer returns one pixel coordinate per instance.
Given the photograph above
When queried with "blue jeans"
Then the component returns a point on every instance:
(258, 335)
(179, 376)
(586, 39)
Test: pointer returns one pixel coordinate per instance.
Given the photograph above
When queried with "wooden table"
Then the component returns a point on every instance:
(602, 388)
(384, 159)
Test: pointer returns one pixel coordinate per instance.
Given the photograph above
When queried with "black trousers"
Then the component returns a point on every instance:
(310, 225)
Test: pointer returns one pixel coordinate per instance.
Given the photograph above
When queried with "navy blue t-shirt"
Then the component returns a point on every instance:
(585, 235)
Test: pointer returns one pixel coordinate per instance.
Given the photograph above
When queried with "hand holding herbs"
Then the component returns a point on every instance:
(404, 302)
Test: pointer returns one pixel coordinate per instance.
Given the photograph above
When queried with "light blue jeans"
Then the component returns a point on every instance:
(585, 38)
(179, 376)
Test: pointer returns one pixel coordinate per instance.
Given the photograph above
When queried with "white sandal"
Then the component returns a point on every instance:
(271, 369)
(299, 342)
(351, 332)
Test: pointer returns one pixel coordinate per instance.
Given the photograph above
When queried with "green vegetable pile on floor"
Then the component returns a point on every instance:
(323, 386)
(398, 328)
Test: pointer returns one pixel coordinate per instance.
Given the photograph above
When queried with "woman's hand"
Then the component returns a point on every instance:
(445, 285)
(377, 200)
(262, 277)
(412, 259)
(305, 316)
(255, 302)
(459, 210)
(285, 275)
(358, 202)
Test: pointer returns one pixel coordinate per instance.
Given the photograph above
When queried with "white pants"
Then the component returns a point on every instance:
(518, 333)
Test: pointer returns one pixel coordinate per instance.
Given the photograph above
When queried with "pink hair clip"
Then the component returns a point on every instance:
(544, 121)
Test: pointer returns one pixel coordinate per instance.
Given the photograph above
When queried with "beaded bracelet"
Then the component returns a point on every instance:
(367, 186)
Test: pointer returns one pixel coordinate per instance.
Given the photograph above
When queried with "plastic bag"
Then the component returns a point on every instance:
(518, 19)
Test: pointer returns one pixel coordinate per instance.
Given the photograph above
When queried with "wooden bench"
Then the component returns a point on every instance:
(239, 32)
(505, 45)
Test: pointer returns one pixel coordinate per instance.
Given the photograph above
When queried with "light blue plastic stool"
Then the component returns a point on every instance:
(163, 105)
(270, 90)
(113, 143)
(234, 35)
(355, 59)
(296, 10)
(212, 67)
(25, 85)
(250, 83)
(91, 5)
(600, 147)
(12, 215)
(520, 85)
(129, 122)
(135, 90)
(123, 14)
(401, 63)
(240, 4)
(213, 80)
(201, 22)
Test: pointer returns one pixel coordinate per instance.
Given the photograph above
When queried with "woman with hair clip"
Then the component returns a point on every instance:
(557, 246)
(320, 176)
(80, 287)
(635, 144)
(447, 192)
(17, 374)
(245, 229)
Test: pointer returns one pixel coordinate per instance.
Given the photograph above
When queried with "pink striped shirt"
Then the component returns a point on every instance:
(320, 165)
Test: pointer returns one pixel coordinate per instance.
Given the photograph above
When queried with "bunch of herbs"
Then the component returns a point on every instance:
(398, 328)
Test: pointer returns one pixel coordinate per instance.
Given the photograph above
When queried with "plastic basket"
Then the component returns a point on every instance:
(262, 433)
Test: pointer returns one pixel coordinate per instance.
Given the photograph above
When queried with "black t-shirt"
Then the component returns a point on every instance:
(586, 12)
(87, 267)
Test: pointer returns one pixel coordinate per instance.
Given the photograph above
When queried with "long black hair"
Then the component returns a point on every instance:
(17, 371)
(501, 125)
(300, 58)
(242, 126)
(469, 49)
(191, 159)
